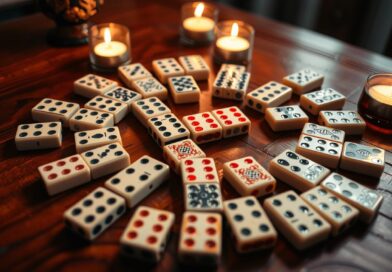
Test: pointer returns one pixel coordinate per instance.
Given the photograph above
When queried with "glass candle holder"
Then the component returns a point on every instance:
(375, 103)
(110, 46)
(198, 22)
(233, 42)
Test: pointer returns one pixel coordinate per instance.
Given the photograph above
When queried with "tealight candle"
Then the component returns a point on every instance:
(109, 46)
(234, 42)
(375, 104)
(198, 23)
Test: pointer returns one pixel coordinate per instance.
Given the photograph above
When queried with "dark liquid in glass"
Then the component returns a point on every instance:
(377, 115)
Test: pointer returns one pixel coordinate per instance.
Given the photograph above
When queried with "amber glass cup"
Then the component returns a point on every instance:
(375, 103)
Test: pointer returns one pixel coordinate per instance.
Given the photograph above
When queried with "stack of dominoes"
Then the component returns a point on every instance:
(329, 203)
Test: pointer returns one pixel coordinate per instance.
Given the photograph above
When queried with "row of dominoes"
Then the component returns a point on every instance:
(327, 147)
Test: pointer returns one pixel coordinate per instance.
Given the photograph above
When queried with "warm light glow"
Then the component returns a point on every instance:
(106, 35)
(199, 10)
(234, 30)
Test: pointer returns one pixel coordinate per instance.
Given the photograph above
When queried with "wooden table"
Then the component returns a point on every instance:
(32, 233)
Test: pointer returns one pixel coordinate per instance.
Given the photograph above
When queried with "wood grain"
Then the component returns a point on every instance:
(32, 235)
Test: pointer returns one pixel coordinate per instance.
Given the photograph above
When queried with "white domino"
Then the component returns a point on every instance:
(150, 87)
(94, 213)
(248, 177)
(64, 174)
(304, 81)
(86, 119)
(38, 136)
(132, 72)
(200, 238)
(195, 66)
(147, 108)
(322, 132)
(165, 68)
(184, 89)
(123, 95)
(93, 85)
(198, 170)
(336, 211)
(52, 110)
(106, 159)
(147, 234)
(90, 139)
(349, 121)
(296, 220)
(325, 99)
(139, 179)
(297, 171)
(250, 224)
(118, 109)
(286, 118)
(366, 200)
(272, 94)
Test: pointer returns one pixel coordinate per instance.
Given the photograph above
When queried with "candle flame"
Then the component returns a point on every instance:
(234, 30)
(107, 36)
(199, 10)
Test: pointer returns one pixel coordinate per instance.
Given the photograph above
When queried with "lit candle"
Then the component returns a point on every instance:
(110, 48)
(197, 27)
(233, 42)
(198, 23)
(382, 93)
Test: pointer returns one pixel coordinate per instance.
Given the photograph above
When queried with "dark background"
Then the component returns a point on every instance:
(364, 23)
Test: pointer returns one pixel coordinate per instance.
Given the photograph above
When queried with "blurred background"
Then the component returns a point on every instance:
(364, 23)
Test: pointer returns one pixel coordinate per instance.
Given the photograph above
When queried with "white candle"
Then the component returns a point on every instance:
(199, 24)
(109, 48)
(382, 93)
(233, 43)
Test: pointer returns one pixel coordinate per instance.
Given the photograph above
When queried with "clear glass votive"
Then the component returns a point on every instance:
(110, 46)
(233, 42)
(375, 103)
(198, 22)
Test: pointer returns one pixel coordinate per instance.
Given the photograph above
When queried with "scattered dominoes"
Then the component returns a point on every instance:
(203, 126)
(203, 197)
(349, 121)
(250, 225)
(320, 150)
(296, 220)
(106, 159)
(132, 72)
(363, 159)
(93, 85)
(139, 179)
(165, 68)
(233, 121)
(325, 99)
(200, 238)
(90, 139)
(248, 177)
(231, 84)
(272, 94)
(286, 118)
(195, 66)
(336, 211)
(297, 171)
(147, 234)
(150, 87)
(52, 110)
(366, 200)
(199, 170)
(304, 81)
(64, 174)
(86, 119)
(184, 89)
(176, 152)
(38, 136)
(322, 132)
(118, 109)
(233, 67)
(166, 129)
(94, 213)
(124, 95)
(147, 108)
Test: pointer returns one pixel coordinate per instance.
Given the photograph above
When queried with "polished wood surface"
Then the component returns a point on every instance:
(32, 234)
